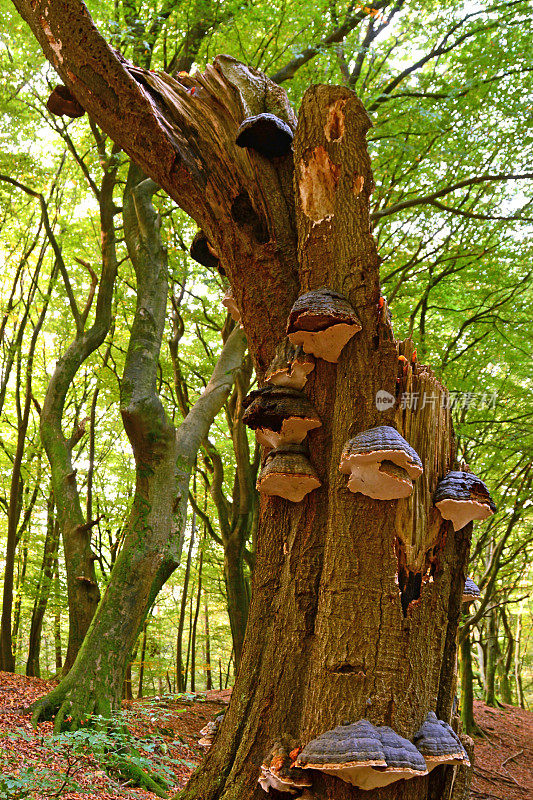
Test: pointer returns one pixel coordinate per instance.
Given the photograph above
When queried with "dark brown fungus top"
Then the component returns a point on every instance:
(322, 321)
(438, 743)
(279, 415)
(364, 755)
(288, 473)
(266, 134)
(381, 464)
(203, 253)
(62, 103)
(462, 497)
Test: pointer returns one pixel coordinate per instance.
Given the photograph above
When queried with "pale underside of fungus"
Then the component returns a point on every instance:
(462, 497)
(381, 464)
(290, 366)
(293, 431)
(366, 756)
(322, 322)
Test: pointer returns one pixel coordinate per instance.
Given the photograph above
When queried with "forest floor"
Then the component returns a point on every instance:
(166, 730)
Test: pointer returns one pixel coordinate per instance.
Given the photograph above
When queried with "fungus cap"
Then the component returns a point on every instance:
(438, 743)
(364, 755)
(381, 464)
(290, 366)
(203, 253)
(462, 497)
(288, 473)
(266, 134)
(322, 321)
(279, 415)
(471, 591)
(62, 103)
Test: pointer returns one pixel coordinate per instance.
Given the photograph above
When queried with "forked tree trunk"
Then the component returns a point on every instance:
(327, 638)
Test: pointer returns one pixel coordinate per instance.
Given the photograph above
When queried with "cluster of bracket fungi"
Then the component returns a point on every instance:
(363, 755)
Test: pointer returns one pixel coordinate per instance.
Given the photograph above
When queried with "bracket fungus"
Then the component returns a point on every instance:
(288, 473)
(462, 497)
(290, 366)
(62, 103)
(265, 133)
(278, 773)
(470, 592)
(203, 253)
(231, 305)
(322, 321)
(363, 755)
(279, 415)
(381, 464)
(209, 731)
(439, 744)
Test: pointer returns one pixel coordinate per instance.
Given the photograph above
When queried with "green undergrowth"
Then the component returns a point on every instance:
(103, 746)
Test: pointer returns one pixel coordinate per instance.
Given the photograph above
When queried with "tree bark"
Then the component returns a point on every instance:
(43, 591)
(208, 665)
(195, 620)
(493, 653)
(181, 677)
(467, 688)
(326, 625)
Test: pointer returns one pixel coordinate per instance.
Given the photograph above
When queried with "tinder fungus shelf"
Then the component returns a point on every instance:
(471, 591)
(322, 321)
(462, 497)
(288, 473)
(439, 744)
(209, 731)
(279, 415)
(381, 464)
(203, 253)
(266, 134)
(62, 103)
(277, 773)
(366, 756)
(290, 366)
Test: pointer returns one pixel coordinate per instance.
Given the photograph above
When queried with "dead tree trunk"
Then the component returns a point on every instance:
(329, 635)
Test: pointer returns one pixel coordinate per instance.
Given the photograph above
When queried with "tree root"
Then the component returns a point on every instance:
(138, 777)
(73, 708)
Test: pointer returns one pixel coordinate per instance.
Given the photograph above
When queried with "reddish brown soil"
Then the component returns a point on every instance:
(504, 755)
(503, 768)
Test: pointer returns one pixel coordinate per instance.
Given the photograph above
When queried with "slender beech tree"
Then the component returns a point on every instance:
(330, 635)
(164, 459)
